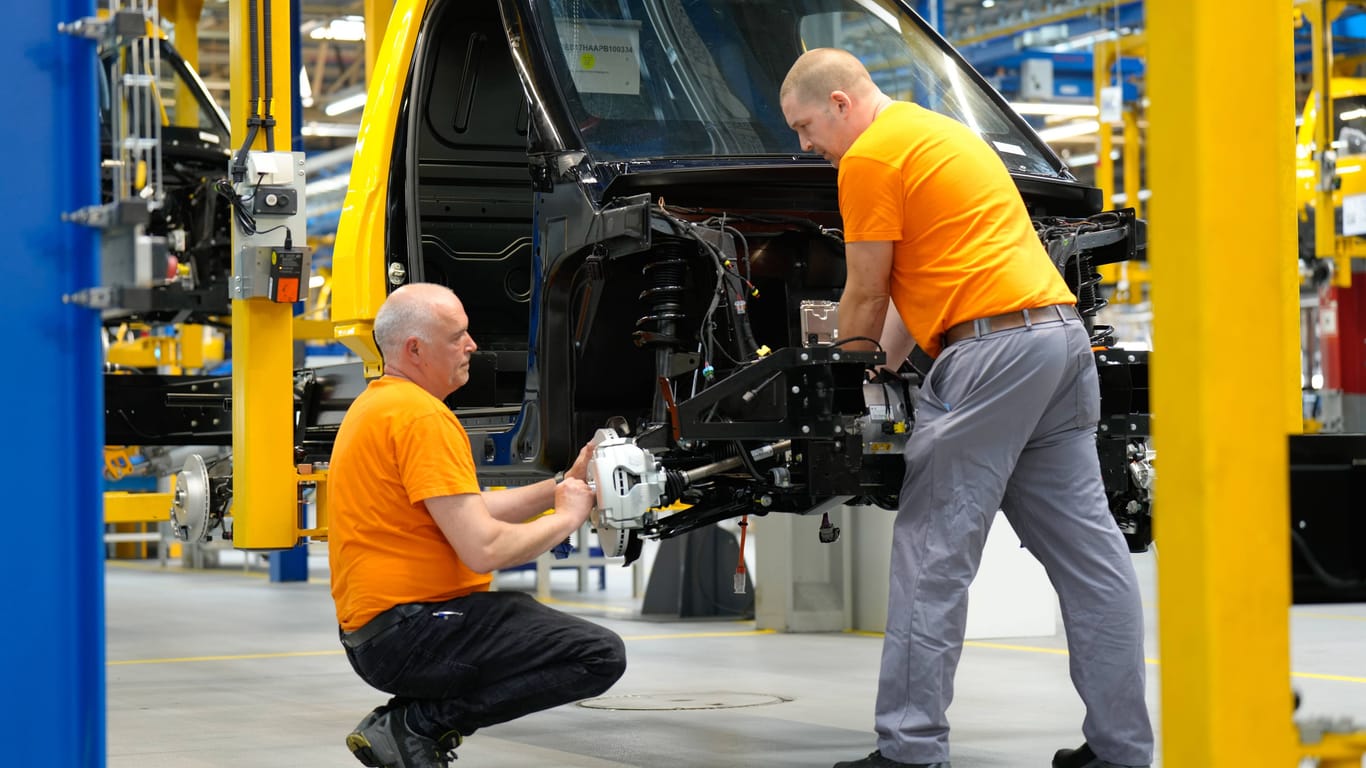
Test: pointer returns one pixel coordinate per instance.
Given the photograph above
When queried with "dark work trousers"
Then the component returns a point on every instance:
(487, 658)
(1008, 421)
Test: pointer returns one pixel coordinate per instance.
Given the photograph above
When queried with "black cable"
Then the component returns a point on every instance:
(239, 162)
(1322, 573)
(848, 339)
(269, 118)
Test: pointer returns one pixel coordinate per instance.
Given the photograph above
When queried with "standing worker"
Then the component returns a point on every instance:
(412, 541)
(1006, 419)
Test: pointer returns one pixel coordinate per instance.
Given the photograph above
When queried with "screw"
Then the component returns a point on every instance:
(194, 423)
(805, 356)
(1132, 358)
(838, 429)
(1101, 358)
(796, 389)
(1104, 427)
(835, 357)
(805, 429)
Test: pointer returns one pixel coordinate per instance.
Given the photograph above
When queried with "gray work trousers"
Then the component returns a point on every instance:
(1008, 421)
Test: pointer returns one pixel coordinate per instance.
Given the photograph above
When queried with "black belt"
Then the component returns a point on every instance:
(381, 622)
(984, 325)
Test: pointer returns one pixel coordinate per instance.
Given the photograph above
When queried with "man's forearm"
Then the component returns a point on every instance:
(861, 315)
(897, 342)
(516, 505)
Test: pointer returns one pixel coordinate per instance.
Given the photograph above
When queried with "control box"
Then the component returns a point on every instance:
(270, 257)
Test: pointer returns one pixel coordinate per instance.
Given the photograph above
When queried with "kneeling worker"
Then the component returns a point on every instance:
(412, 541)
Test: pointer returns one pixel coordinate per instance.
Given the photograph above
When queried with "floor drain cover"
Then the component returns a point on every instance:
(702, 700)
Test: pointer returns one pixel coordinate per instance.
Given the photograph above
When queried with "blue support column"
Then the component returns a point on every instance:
(292, 564)
(51, 404)
(932, 11)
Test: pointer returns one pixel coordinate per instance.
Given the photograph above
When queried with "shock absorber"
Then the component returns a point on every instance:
(665, 276)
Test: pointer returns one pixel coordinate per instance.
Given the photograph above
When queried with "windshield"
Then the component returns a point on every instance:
(686, 78)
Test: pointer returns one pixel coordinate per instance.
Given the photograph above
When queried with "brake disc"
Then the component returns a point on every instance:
(190, 509)
(612, 540)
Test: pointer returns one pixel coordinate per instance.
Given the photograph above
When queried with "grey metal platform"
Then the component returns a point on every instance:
(211, 669)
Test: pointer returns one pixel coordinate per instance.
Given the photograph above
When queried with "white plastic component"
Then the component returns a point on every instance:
(629, 482)
(273, 168)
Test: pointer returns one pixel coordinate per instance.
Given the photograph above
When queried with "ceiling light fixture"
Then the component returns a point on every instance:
(1070, 130)
(345, 104)
(349, 29)
(1054, 110)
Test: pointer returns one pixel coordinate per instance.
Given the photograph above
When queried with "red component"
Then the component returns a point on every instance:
(286, 290)
(1342, 330)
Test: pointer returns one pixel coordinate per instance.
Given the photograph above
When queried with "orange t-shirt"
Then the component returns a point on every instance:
(397, 446)
(963, 244)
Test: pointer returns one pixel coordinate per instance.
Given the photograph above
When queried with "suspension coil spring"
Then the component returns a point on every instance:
(663, 296)
(1090, 301)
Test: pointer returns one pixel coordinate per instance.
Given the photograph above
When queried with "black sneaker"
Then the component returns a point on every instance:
(876, 760)
(383, 740)
(1083, 757)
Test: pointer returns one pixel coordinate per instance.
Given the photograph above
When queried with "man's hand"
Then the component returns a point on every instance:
(574, 498)
(579, 471)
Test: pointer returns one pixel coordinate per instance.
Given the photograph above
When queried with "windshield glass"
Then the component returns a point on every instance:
(681, 78)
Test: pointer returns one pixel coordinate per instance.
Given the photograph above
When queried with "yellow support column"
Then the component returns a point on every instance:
(376, 21)
(184, 17)
(1133, 153)
(264, 512)
(1101, 61)
(1220, 261)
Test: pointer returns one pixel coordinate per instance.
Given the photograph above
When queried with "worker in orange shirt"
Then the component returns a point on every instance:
(1006, 419)
(412, 541)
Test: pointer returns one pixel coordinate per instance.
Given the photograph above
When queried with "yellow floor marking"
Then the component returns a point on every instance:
(1334, 616)
(587, 606)
(1151, 662)
(1335, 678)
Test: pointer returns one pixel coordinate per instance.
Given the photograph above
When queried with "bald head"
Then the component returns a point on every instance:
(424, 334)
(829, 99)
(410, 311)
(822, 71)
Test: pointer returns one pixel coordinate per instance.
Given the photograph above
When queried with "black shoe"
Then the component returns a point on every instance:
(383, 740)
(876, 760)
(1083, 757)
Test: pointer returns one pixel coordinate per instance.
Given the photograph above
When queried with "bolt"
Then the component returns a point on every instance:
(1101, 358)
(805, 429)
(765, 500)
(1104, 427)
(838, 429)
(1132, 358)
(835, 357)
(805, 357)
(1133, 427)
(215, 421)
(194, 423)
(796, 389)
(194, 387)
